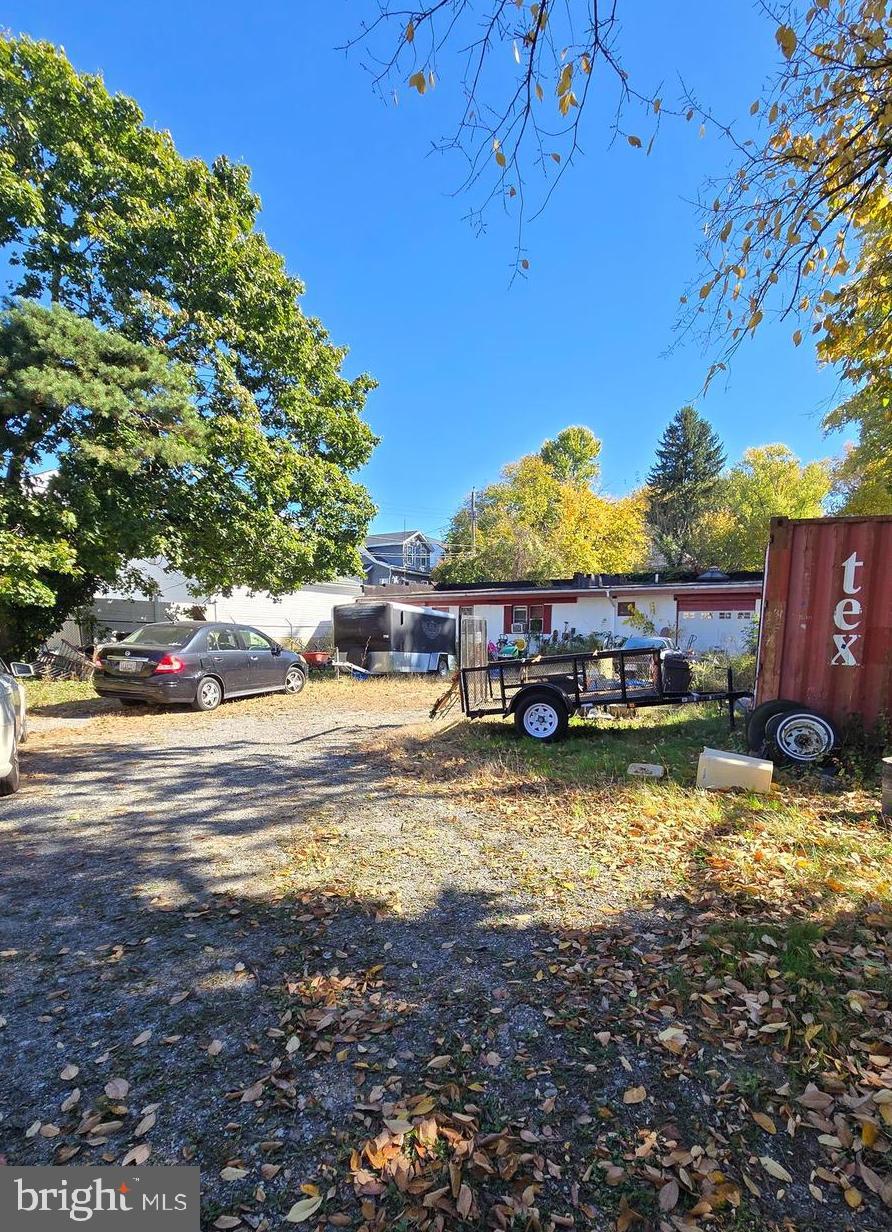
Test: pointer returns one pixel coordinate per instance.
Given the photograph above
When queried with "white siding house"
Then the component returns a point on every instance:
(716, 612)
(304, 615)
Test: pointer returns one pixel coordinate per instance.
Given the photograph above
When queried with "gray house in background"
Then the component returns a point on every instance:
(400, 558)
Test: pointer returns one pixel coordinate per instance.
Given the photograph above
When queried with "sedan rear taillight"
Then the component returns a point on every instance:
(170, 663)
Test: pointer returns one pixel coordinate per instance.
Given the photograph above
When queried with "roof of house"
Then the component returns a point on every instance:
(681, 584)
(404, 571)
(612, 581)
(397, 536)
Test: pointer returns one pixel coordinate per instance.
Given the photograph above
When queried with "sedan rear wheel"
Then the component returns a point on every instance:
(209, 695)
(294, 680)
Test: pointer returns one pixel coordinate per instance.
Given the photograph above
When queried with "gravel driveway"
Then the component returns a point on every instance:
(176, 805)
(172, 881)
(243, 940)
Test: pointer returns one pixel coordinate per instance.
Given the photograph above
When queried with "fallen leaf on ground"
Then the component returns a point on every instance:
(764, 1121)
(137, 1155)
(304, 1209)
(145, 1125)
(773, 1168)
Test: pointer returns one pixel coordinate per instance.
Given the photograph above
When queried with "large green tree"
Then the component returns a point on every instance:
(682, 485)
(101, 215)
(860, 489)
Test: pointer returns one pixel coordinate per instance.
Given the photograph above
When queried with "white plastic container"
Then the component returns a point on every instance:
(718, 770)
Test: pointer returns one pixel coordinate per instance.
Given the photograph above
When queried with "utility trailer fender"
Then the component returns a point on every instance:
(540, 687)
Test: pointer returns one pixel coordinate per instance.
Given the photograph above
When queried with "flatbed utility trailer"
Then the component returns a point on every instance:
(544, 691)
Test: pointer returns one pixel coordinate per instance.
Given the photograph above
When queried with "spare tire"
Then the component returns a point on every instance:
(800, 736)
(758, 721)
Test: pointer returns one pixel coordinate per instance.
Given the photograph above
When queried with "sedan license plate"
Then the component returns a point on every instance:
(129, 665)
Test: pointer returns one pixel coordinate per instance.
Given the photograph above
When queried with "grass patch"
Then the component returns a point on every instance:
(47, 696)
(798, 847)
(672, 738)
(74, 698)
(790, 947)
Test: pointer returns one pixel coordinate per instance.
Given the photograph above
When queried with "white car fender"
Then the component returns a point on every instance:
(9, 724)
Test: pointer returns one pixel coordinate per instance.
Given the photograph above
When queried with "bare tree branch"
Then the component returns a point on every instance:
(527, 72)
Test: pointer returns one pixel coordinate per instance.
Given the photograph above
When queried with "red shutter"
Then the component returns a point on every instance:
(546, 618)
(509, 613)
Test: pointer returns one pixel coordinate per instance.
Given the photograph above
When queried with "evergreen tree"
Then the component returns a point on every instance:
(682, 484)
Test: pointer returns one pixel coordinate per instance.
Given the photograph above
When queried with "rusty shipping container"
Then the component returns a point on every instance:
(826, 623)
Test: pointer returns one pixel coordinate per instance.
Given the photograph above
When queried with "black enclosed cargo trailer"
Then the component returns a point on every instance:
(383, 637)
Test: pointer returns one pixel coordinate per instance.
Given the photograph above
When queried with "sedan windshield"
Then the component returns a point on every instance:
(161, 635)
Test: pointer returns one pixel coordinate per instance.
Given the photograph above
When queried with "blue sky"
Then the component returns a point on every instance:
(473, 370)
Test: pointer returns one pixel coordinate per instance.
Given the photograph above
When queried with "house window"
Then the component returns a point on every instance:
(691, 615)
(416, 555)
(537, 618)
(625, 609)
(724, 615)
(519, 616)
(744, 615)
(466, 611)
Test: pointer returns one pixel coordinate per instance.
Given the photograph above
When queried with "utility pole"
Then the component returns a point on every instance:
(473, 519)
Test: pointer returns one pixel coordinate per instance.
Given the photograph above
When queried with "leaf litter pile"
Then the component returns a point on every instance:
(711, 1048)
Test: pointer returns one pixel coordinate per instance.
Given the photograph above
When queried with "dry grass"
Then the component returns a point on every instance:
(391, 694)
(801, 846)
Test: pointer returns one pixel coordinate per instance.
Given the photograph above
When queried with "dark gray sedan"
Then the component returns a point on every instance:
(196, 663)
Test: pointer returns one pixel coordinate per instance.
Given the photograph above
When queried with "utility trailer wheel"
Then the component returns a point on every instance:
(800, 736)
(542, 716)
(758, 721)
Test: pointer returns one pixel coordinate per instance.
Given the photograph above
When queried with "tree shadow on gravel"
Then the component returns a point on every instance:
(426, 1071)
(455, 1067)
